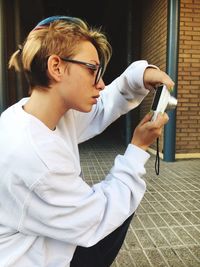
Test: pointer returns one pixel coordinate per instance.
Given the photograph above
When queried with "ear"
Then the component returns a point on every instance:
(55, 68)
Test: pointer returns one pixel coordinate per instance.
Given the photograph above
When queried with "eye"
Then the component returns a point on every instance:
(92, 70)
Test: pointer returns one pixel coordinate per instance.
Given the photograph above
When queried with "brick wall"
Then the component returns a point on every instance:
(154, 45)
(188, 112)
(153, 41)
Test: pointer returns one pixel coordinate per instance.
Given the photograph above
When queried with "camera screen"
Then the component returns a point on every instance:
(156, 97)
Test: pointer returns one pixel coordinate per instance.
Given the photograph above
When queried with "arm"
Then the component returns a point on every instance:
(123, 94)
(62, 206)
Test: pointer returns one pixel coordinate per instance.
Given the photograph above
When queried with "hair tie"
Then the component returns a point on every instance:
(20, 49)
(46, 22)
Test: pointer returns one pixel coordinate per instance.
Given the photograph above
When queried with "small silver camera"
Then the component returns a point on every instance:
(162, 101)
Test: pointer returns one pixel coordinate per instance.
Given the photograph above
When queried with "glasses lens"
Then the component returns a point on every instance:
(99, 74)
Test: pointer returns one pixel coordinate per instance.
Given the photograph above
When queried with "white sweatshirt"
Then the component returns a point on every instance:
(46, 209)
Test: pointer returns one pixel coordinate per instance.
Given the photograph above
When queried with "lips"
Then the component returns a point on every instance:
(95, 99)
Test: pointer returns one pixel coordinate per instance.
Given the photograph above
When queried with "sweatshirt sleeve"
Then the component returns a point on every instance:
(122, 95)
(63, 207)
(133, 77)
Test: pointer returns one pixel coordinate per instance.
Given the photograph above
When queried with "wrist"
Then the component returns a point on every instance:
(148, 73)
(143, 147)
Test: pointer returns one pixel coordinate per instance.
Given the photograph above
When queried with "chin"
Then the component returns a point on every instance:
(87, 109)
(84, 109)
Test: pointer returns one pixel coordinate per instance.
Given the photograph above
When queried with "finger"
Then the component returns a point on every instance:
(146, 118)
(169, 85)
(157, 124)
(161, 120)
(168, 81)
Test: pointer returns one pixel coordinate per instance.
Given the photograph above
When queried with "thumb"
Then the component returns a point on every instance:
(146, 118)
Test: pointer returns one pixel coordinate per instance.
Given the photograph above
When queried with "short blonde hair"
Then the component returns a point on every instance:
(61, 36)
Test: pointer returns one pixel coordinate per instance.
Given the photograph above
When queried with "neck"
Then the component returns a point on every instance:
(46, 107)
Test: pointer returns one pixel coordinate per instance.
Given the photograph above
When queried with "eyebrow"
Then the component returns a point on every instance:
(96, 62)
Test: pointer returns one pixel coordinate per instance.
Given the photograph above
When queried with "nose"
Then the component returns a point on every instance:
(100, 85)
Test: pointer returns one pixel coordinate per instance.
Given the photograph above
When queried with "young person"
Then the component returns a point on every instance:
(49, 216)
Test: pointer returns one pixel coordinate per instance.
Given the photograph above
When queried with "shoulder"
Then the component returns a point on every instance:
(29, 146)
(55, 152)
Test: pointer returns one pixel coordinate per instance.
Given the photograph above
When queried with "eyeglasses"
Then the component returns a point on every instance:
(99, 67)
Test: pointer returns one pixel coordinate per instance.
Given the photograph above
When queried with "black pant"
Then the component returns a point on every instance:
(104, 252)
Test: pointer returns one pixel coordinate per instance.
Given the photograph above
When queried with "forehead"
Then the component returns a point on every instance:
(86, 50)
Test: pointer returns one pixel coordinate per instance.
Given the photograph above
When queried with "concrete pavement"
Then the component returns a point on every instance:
(166, 228)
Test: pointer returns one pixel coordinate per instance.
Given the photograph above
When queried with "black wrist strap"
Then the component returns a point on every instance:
(157, 161)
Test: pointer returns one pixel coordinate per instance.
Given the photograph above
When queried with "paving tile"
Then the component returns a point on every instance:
(168, 196)
(157, 238)
(195, 195)
(191, 217)
(168, 206)
(140, 210)
(158, 196)
(195, 250)
(149, 197)
(157, 219)
(159, 208)
(136, 223)
(171, 237)
(184, 236)
(146, 221)
(140, 258)
(193, 232)
(178, 195)
(124, 260)
(180, 218)
(185, 195)
(196, 203)
(179, 206)
(188, 205)
(155, 258)
(196, 213)
(187, 257)
(147, 206)
(171, 257)
(144, 239)
(151, 187)
(131, 240)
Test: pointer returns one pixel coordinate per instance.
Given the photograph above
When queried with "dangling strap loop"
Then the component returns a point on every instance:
(157, 162)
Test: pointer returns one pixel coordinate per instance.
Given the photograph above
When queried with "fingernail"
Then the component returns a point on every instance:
(171, 89)
(151, 112)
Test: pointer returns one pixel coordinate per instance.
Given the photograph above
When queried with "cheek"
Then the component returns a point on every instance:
(76, 84)
(76, 97)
